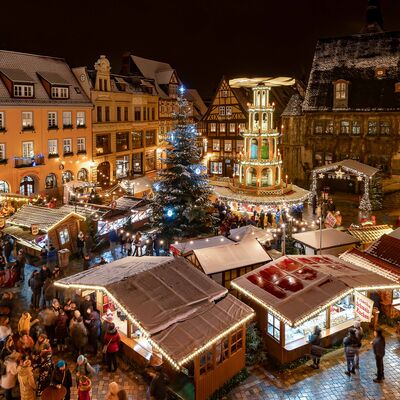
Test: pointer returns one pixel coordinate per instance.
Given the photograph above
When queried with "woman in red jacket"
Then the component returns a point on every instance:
(111, 340)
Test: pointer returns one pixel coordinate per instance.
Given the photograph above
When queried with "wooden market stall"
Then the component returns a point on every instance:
(168, 313)
(35, 227)
(330, 241)
(383, 258)
(264, 236)
(294, 294)
(368, 234)
(222, 259)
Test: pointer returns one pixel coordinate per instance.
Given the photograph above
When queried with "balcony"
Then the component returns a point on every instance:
(3, 161)
(28, 128)
(53, 155)
(52, 127)
(26, 162)
(68, 126)
(81, 152)
(68, 153)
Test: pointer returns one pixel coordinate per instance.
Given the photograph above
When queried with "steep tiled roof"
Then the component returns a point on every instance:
(294, 106)
(25, 68)
(368, 234)
(386, 248)
(355, 59)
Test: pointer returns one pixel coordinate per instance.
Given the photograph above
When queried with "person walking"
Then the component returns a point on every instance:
(36, 284)
(79, 337)
(111, 346)
(359, 335)
(9, 379)
(379, 344)
(138, 245)
(83, 367)
(27, 385)
(45, 366)
(350, 343)
(316, 349)
(158, 385)
(62, 376)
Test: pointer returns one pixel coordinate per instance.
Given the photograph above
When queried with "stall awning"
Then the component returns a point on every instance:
(250, 232)
(330, 238)
(23, 236)
(351, 166)
(169, 301)
(231, 256)
(296, 288)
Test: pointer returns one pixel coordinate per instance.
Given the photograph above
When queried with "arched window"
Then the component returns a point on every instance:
(266, 177)
(254, 148)
(83, 175)
(67, 176)
(265, 149)
(251, 179)
(4, 188)
(27, 186)
(51, 181)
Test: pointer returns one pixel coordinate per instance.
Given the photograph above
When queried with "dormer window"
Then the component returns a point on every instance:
(23, 90)
(340, 90)
(341, 94)
(380, 72)
(59, 92)
(397, 87)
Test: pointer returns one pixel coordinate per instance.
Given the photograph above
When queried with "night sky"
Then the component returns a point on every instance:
(201, 39)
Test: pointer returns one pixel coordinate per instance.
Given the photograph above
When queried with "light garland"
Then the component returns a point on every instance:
(262, 162)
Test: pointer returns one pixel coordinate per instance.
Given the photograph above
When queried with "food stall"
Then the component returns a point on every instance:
(330, 241)
(293, 294)
(264, 236)
(222, 259)
(35, 227)
(169, 313)
(77, 191)
(368, 234)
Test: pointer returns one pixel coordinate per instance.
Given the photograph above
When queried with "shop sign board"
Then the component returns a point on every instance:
(34, 229)
(363, 307)
(330, 220)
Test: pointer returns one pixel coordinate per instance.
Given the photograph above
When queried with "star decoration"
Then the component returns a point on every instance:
(321, 175)
(359, 178)
(339, 174)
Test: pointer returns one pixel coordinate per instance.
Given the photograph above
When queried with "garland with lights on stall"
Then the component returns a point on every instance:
(181, 206)
(372, 195)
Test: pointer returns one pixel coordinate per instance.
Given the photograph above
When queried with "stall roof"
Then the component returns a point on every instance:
(330, 238)
(370, 233)
(169, 300)
(23, 235)
(350, 165)
(230, 256)
(129, 202)
(250, 232)
(386, 248)
(45, 217)
(296, 288)
(185, 248)
(395, 233)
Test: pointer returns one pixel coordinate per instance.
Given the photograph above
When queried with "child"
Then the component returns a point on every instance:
(84, 388)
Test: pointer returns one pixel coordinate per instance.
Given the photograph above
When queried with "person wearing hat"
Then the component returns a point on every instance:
(27, 385)
(111, 347)
(316, 349)
(62, 377)
(83, 367)
(9, 379)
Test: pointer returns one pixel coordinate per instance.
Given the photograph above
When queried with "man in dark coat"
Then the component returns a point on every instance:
(350, 347)
(36, 284)
(379, 344)
(62, 376)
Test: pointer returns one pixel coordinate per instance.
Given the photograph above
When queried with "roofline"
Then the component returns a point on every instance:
(33, 55)
(355, 35)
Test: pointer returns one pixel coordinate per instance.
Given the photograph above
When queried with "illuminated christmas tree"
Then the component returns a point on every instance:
(181, 205)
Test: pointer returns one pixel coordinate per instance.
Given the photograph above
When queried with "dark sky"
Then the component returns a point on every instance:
(201, 39)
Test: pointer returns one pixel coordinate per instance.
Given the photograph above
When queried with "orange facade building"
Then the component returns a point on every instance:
(45, 125)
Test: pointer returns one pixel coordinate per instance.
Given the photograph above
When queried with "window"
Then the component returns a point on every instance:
(99, 114)
(81, 144)
(51, 181)
(67, 146)
(122, 166)
(137, 163)
(274, 327)
(356, 128)
(52, 147)
(107, 116)
(137, 114)
(67, 119)
(52, 119)
(216, 145)
(306, 329)
(342, 311)
(150, 160)
(137, 140)
(80, 119)
(59, 92)
(83, 175)
(144, 114)
(118, 113)
(232, 128)
(27, 120)
(222, 128)
(380, 72)
(153, 113)
(122, 141)
(66, 176)
(64, 236)
(126, 115)
(2, 121)
(340, 90)
(329, 127)
(395, 294)
(2, 151)
(23, 90)
(345, 127)
(319, 127)
(385, 127)
(27, 149)
(236, 341)
(228, 145)
(222, 350)
(372, 127)
(103, 144)
(242, 127)
(228, 110)
(213, 127)
(150, 138)
(224, 93)
(222, 110)
(206, 362)
(216, 167)
(239, 146)
(4, 187)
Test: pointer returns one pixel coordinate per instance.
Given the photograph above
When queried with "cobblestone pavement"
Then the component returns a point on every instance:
(328, 383)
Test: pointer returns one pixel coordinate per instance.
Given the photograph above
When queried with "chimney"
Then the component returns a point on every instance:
(374, 20)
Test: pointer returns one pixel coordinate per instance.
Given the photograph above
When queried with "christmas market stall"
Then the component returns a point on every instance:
(222, 259)
(368, 234)
(264, 236)
(294, 294)
(77, 191)
(325, 241)
(168, 313)
(35, 227)
(383, 258)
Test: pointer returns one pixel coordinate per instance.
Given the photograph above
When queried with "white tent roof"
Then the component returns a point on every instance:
(250, 232)
(351, 166)
(184, 248)
(395, 233)
(230, 256)
(330, 238)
